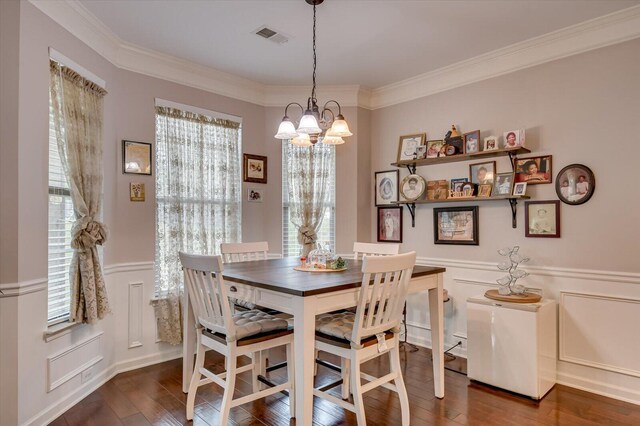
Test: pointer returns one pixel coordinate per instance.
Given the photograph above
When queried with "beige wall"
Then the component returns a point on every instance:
(582, 109)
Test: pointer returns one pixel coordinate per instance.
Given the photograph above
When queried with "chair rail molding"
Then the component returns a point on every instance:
(602, 31)
(23, 287)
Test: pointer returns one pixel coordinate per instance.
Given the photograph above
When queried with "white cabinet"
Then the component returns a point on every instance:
(512, 345)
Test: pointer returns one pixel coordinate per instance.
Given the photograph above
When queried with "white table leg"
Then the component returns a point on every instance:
(188, 341)
(436, 315)
(304, 323)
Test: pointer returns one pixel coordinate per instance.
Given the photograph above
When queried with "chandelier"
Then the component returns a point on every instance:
(316, 124)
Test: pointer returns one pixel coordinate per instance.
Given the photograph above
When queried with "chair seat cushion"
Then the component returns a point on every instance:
(336, 324)
(249, 323)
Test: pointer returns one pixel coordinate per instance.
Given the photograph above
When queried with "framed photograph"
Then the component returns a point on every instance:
(490, 143)
(408, 145)
(469, 189)
(387, 184)
(503, 184)
(390, 224)
(412, 187)
(534, 170)
(455, 146)
(484, 190)
(255, 168)
(542, 219)
(520, 189)
(456, 225)
(136, 158)
(513, 139)
(456, 184)
(437, 189)
(136, 191)
(421, 152)
(575, 184)
(482, 173)
(255, 195)
(472, 142)
(434, 148)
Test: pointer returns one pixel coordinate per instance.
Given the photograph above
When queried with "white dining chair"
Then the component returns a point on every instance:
(373, 249)
(230, 335)
(245, 252)
(372, 331)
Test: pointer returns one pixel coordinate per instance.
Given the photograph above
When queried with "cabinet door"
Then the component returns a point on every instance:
(502, 348)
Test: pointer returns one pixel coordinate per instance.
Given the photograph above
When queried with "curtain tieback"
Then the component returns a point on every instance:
(87, 233)
(306, 235)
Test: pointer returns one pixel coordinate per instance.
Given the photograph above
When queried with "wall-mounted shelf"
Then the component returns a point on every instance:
(411, 165)
(513, 202)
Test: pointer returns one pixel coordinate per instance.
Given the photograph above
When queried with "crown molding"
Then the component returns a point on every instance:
(603, 31)
(599, 32)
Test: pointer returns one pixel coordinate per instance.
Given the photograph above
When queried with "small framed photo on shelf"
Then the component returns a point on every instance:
(482, 173)
(408, 145)
(490, 143)
(534, 170)
(255, 168)
(390, 224)
(255, 195)
(456, 184)
(469, 189)
(542, 219)
(434, 148)
(484, 190)
(421, 152)
(412, 187)
(472, 142)
(520, 189)
(136, 158)
(136, 191)
(513, 139)
(575, 184)
(454, 146)
(387, 187)
(437, 189)
(456, 225)
(503, 184)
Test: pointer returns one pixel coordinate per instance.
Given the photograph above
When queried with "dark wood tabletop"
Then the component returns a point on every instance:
(279, 275)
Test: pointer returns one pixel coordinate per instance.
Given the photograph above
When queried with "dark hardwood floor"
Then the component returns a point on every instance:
(153, 395)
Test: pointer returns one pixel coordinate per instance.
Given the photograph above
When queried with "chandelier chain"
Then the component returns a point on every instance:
(313, 91)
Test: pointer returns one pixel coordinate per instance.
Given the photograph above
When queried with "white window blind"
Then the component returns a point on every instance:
(326, 235)
(61, 218)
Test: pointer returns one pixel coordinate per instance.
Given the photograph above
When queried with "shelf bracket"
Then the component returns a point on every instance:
(513, 203)
(512, 158)
(412, 211)
(411, 168)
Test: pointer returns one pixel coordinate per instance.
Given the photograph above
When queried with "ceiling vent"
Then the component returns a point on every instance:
(272, 35)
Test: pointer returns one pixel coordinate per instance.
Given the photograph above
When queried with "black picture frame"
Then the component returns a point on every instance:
(251, 162)
(543, 229)
(132, 151)
(381, 233)
(571, 175)
(444, 234)
(394, 174)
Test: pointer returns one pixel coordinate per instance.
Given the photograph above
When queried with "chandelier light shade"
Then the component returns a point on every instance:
(316, 124)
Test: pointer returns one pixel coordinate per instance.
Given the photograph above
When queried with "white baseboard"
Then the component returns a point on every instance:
(56, 409)
(599, 388)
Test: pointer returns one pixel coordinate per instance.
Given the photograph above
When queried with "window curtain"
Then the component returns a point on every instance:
(198, 196)
(77, 114)
(308, 173)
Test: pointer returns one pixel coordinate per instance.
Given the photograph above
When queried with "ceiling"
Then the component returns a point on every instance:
(369, 43)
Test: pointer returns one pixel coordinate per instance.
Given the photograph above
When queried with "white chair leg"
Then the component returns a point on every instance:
(394, 358)
(345, 367)
(230, 384)
(356, 386)
(195, 379)
(291, 379)
(258, 362)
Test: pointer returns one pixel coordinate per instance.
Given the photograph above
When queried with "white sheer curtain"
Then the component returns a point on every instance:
(198, 200)
(309, 170)
(77, 105)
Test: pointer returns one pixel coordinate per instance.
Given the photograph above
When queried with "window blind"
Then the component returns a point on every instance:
(326, 235)
(60, 221)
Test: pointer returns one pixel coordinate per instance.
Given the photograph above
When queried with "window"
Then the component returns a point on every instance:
(61, 218)
(326, 235)
(198, 189)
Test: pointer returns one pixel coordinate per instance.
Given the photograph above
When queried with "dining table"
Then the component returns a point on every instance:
(274, 283)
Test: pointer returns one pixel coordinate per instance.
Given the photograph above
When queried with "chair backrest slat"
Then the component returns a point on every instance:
(383, 293)
(207, 293)
(372, 249)
(243, 252)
